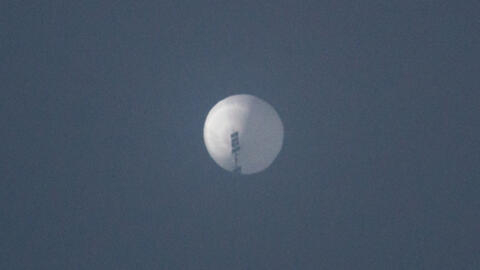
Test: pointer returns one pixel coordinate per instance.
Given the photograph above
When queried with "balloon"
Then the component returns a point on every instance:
(243, 134)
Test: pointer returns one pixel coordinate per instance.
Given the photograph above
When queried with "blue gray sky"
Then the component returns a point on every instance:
(103, 165)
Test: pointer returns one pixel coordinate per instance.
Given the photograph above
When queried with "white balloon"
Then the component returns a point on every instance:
(243, 134)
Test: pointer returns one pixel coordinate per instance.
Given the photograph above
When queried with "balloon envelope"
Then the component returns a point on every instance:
(243, 134)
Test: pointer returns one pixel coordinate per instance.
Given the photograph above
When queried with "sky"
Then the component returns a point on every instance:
(103, 165)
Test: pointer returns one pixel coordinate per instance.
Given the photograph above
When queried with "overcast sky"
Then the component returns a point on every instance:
(103, 166)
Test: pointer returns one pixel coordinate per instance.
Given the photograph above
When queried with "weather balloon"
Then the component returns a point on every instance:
(243, 134)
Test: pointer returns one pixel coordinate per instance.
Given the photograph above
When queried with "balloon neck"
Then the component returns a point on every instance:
(235, 142)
